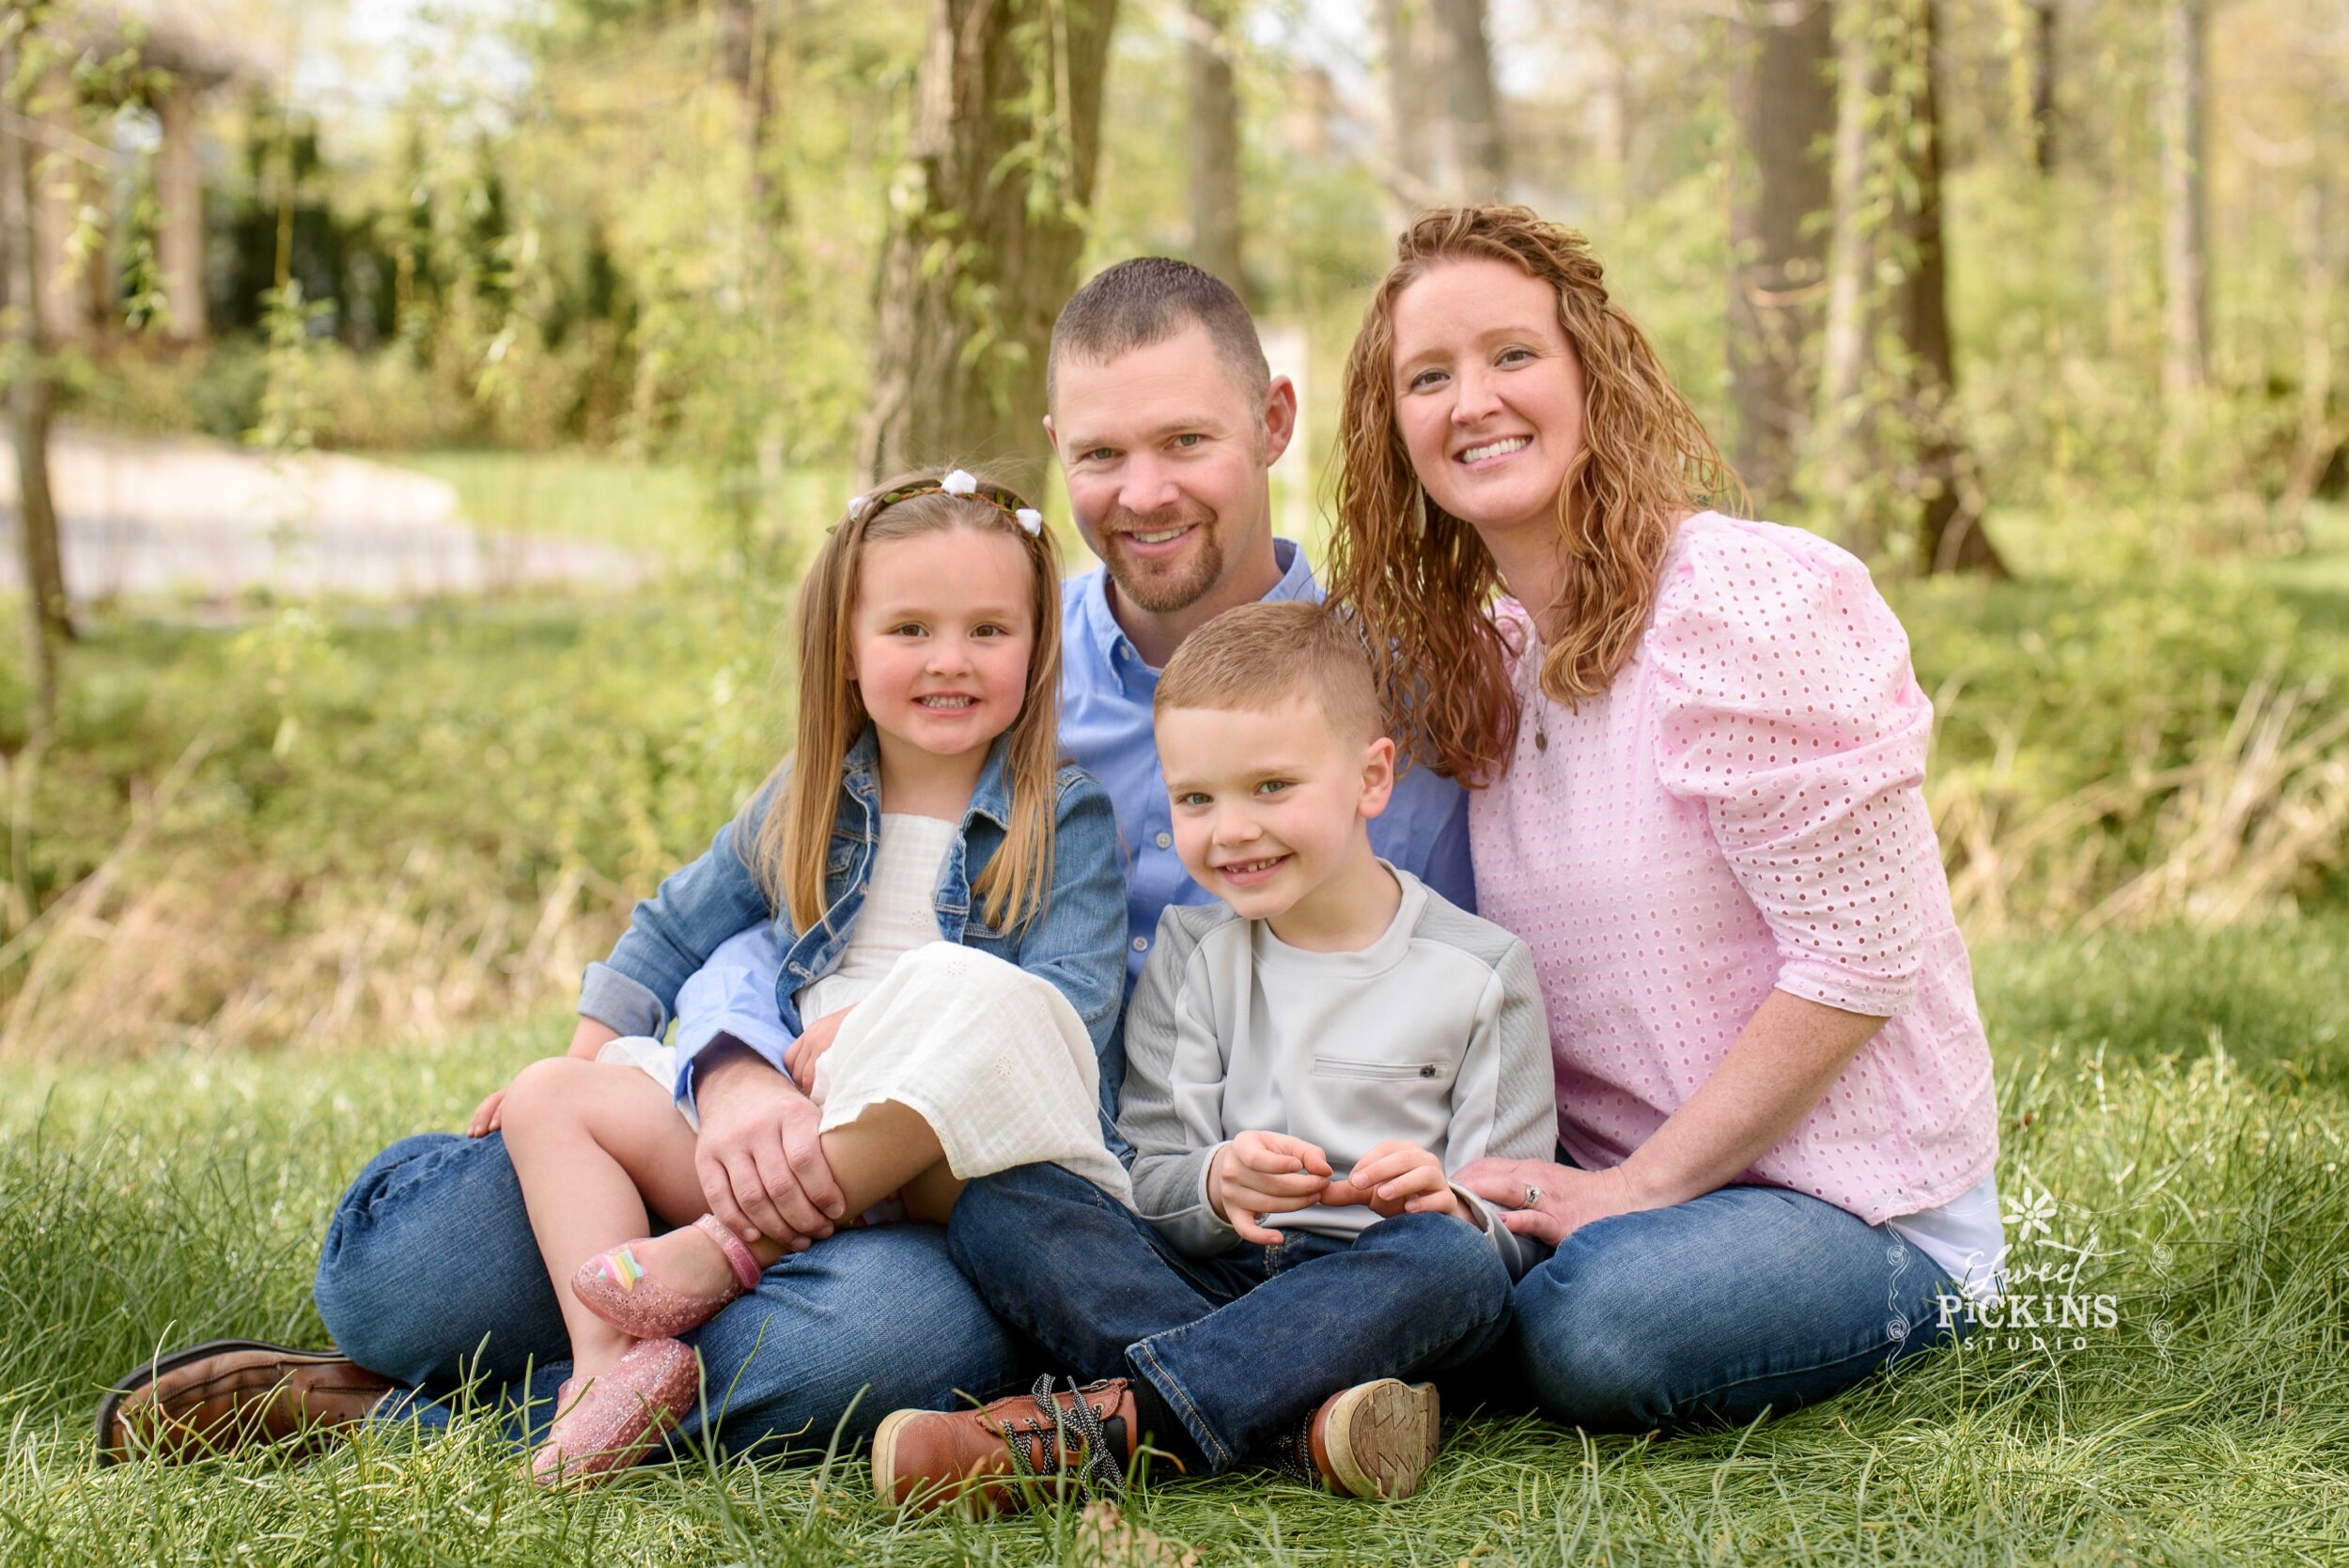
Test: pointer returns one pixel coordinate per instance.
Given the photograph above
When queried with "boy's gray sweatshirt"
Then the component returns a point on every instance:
(1434, 1033)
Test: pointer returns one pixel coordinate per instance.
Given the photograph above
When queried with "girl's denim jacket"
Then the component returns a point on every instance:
(1076, 941)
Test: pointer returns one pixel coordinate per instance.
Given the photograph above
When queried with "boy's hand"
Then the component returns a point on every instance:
(1265, 1172)
(484, 1117)
(800, 1056)
(1395, 1178)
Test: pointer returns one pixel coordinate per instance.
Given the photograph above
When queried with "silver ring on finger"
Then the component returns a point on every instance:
(1532, 1197)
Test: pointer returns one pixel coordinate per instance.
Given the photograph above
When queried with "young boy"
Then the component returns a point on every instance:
(1306, 1062)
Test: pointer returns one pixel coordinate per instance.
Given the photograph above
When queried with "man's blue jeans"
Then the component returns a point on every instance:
(430, 1272)
(1242, 1345)
(1710, 1312)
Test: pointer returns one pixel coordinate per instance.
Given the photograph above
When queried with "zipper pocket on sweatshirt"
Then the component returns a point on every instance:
(1347, 1066)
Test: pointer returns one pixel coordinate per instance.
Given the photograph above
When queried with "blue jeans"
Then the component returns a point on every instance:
(1241, 1345)
(430, 1272)
(1747, 1299)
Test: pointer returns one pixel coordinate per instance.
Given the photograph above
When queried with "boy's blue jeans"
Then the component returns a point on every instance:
(1241, 1345)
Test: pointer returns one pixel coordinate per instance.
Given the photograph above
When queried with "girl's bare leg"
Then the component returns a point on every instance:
(596, 1145)
(601, 1150)
(888, 1149)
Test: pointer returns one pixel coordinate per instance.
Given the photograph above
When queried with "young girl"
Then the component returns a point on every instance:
(925, 921)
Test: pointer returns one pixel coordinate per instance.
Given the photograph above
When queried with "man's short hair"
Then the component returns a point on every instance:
(1148, 299)
(1262, 654)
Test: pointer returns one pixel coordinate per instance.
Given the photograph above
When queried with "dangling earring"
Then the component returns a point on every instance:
(1420, 492)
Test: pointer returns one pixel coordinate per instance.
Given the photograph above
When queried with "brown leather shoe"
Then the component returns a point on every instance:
(1072, 1440)
(1375, 1439)
(227, 1394)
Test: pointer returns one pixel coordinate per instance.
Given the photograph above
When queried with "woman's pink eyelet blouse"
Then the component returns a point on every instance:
(1741, 810)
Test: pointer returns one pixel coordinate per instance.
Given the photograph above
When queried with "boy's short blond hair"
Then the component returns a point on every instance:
(1260, 656)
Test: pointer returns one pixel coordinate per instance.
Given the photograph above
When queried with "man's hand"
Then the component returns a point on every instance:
(761, 1166)
(1397, 1177)
(800, 1056)
(587, 1040)
(1265, 1172)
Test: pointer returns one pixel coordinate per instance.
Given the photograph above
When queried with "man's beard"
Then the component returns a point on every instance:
(1163, 588)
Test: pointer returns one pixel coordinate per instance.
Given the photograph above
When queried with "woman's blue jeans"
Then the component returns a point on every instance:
(1748, 1299)
(1241, 1345)
(430, 1276)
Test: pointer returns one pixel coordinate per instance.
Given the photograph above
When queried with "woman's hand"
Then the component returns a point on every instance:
(1565, 1198)
(1265, 1172)
(800, 1056)
(1397, 1177)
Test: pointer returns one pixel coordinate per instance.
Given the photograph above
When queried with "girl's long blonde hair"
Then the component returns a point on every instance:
(1423, 580)
(794, 843)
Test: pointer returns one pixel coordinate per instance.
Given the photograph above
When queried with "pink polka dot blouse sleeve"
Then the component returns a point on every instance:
(1785, 706)
(1742, 812)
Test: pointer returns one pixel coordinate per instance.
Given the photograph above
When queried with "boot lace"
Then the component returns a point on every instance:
(1038, 1441)
(1293, 1454)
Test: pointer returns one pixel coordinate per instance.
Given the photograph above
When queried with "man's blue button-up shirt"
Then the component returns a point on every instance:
(1105, 696)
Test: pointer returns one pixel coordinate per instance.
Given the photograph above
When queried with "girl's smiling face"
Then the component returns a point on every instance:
(1487, 394)
(938, 649)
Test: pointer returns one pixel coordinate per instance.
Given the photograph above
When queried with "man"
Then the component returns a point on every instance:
(1166, 421)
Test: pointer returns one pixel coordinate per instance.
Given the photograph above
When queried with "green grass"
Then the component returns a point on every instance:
(2179, 1097)
(670, 513)
(657, 508)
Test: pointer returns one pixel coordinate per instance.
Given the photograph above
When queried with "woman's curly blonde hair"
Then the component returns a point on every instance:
(1422, 581)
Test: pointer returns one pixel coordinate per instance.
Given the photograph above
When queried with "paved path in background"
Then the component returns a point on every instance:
(143, 517)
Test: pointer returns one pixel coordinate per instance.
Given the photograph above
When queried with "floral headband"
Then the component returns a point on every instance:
(957, 483)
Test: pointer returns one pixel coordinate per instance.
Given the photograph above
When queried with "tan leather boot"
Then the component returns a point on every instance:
(229, 1394)
(1375, 1439)
(1065, 1440)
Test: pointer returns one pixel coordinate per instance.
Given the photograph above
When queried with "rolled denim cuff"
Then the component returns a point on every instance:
(620, 1004)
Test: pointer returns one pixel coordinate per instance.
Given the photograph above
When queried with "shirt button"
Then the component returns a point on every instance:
(1164, 840)
(1141, 944)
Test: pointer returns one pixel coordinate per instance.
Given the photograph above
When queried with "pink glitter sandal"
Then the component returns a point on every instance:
(615, 1287)
(623, 1413)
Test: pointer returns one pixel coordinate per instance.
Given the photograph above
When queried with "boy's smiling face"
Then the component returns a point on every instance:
(1271, 810)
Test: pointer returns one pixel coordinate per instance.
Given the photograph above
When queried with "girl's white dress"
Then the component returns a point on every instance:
(993, 1058)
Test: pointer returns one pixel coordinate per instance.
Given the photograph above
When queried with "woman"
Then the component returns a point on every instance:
(1698, 746)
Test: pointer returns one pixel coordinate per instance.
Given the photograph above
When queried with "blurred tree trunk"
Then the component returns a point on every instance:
(987, 227)
(2043, 85)
(1406, 40)
(2185, 269)
(1949, 535)
(179, 196)
(1781, 187)
(31, 403)
(1478, 155)
(1214, 223)
(747, 31)
(1847, 422)
(1891, 463)
(2320, 434)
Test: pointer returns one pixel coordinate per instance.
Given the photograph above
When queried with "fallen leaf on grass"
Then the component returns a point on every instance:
(1106, 1536)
